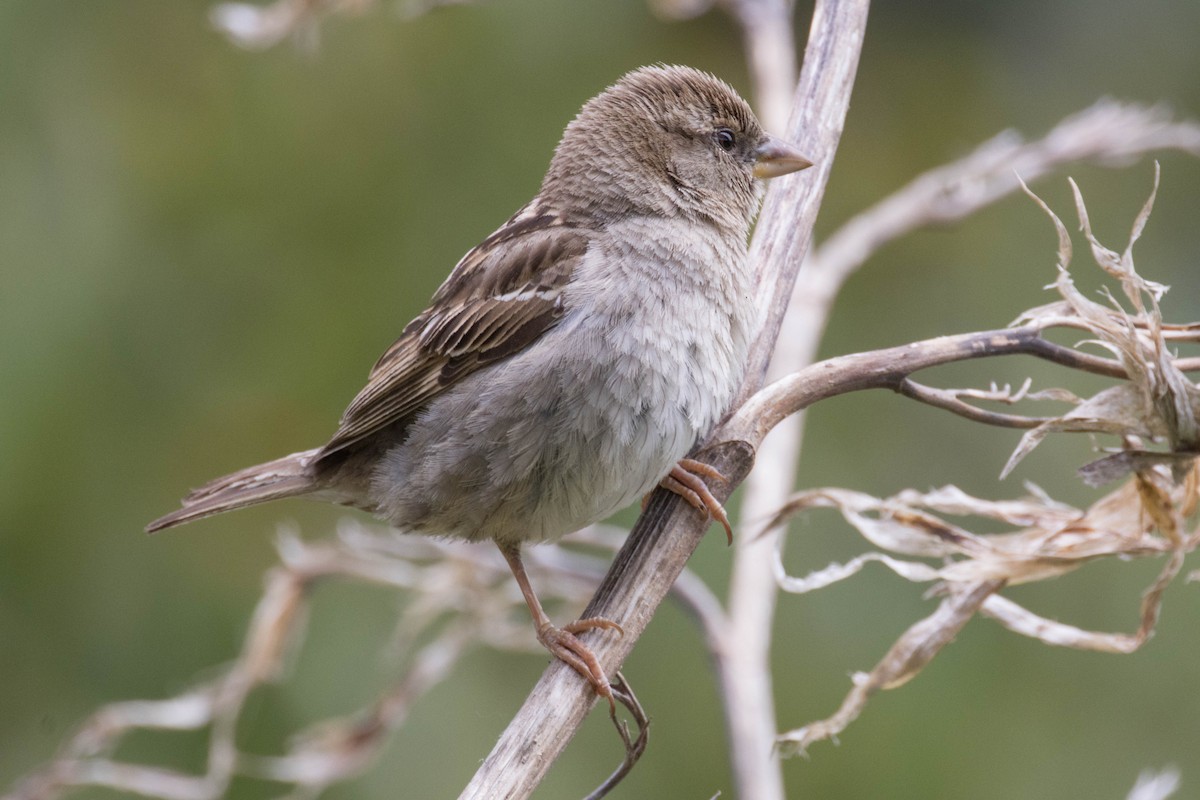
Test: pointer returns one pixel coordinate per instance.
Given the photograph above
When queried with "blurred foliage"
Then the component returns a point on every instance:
(203, 249)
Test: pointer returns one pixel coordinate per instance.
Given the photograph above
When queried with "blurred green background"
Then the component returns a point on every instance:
(203, 249)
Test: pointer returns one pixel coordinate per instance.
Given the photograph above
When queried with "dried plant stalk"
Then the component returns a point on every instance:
(1147, 515)
(437, 628)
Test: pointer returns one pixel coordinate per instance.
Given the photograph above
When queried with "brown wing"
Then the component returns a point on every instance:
(502, 296)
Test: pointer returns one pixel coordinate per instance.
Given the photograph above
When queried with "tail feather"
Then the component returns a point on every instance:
(284, 477)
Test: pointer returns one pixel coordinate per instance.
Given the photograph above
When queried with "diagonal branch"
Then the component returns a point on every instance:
(668, 532)
(888, 369)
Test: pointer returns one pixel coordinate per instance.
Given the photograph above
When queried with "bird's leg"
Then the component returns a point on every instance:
(562, 642)
(686, 479)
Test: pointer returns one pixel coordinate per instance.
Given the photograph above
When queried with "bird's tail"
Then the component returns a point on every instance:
(284, 477)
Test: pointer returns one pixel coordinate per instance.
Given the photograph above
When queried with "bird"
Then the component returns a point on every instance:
(571, 360)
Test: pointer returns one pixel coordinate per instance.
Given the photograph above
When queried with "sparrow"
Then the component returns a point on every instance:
(573, 358)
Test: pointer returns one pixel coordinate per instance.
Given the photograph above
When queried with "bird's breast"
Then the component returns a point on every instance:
(645, 360)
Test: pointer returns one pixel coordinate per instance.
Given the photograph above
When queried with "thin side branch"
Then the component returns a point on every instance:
(948, 400)
(1108, 132)
(888, 369)
(916, 648)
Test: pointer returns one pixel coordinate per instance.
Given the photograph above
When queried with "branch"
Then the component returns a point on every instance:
(436, 574)
(951, 400)
(1145, 517)
(1107, 132)
(1148, 515)
(911, 652)
(882, 369)
(668, 532)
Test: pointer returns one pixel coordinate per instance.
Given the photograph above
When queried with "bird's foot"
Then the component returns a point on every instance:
(564, 645)
(686, 479)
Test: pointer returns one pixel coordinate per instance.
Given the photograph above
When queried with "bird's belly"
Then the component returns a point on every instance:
(548, 441)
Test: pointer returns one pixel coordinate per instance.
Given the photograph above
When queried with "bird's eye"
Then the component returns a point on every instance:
(724, 139)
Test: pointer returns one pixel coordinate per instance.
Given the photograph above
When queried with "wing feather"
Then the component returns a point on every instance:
(500, 298)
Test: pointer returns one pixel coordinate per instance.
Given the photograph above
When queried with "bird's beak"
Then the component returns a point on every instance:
(775, 157)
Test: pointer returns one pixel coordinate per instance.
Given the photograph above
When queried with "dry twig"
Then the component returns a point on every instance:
(461, 596)
(1146, 516)
(1107, 133)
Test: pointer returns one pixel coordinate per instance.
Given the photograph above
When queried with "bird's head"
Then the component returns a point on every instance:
(669, 140)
